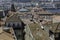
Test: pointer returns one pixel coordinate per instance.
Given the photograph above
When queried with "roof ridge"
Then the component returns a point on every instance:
(13, 17)
(9, 17)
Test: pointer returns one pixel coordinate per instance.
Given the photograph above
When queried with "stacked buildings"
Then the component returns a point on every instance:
(30, 23)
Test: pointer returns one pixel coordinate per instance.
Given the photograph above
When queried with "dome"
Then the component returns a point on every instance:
(23, 10)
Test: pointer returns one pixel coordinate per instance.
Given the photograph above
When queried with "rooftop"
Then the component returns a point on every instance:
(54, 27)
(37, 32)
(23, 10)
(56, 19)
(5, 35)
(13, 18)
(43, 13)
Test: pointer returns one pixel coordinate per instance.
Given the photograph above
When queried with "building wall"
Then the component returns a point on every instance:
(13, 24)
